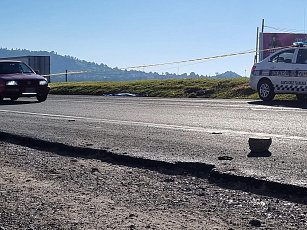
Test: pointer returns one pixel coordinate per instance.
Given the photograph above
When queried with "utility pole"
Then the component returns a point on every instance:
(304, 19)
(66, 76)
(259, 36)
(257, 46)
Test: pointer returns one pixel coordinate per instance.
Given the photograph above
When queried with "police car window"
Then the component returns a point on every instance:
(302, 56)
(284, 56)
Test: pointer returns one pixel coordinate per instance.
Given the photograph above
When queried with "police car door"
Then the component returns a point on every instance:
(282, 70)
(301, 69)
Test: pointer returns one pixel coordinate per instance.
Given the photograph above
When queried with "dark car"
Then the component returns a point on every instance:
(17, 79)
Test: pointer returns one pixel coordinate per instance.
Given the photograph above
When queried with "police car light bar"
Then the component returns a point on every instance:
(300, 44)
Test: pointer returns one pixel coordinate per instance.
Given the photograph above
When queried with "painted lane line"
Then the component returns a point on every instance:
(193, 104)
(163, 126)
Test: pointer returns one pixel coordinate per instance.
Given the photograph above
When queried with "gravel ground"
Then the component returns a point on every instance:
(43, 190)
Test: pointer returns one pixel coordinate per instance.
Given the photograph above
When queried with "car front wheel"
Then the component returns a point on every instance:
(266, 90)
(41, 98)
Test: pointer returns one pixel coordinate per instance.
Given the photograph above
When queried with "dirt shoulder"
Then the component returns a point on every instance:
(43, 190)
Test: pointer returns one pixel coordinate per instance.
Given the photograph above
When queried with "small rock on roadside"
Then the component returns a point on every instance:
(225, 158)
(95, 170)
(255, 223)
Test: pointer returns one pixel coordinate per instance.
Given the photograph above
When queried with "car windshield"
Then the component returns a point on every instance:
(14, 67)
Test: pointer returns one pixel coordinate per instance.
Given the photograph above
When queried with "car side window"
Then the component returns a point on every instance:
(284, 56)
(301, 56)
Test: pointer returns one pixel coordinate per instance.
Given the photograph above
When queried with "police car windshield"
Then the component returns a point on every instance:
(14, 67)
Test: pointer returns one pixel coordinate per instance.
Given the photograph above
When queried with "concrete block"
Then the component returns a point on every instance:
(259, 145)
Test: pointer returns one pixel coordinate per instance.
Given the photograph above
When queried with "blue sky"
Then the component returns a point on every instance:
(123, 33)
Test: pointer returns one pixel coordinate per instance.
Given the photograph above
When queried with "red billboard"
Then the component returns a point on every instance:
(275, 40)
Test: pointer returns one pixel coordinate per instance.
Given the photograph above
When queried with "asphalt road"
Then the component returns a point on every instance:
(172, 129)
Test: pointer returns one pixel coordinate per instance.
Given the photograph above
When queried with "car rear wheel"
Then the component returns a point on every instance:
(14, 98)
(266, 90)
(41, 98)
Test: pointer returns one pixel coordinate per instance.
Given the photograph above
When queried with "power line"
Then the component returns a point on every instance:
(283, 29)
(190, 61)
(64, 73)
(201, 59)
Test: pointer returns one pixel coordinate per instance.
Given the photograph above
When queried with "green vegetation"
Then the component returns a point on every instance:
(202, 88)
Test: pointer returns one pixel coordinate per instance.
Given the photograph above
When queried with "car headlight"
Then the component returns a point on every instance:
(11, 83)
(43, 82)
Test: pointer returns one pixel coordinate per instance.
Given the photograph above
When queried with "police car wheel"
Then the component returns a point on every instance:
(14, 98)
(266, 90)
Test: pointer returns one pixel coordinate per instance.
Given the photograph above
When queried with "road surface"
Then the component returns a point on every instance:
(198, 130)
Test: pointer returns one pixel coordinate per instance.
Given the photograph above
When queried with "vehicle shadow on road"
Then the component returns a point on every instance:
(8, 102)
(281, 103)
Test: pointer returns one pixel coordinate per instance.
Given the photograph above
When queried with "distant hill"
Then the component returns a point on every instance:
(97, 72)
(227, 74)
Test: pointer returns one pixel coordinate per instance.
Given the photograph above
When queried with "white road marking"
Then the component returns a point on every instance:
(194, 104)
(163, 126)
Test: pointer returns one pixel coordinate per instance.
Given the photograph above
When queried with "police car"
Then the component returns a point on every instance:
(284, 71)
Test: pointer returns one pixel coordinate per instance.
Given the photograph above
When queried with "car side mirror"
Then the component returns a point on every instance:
(36, 71)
